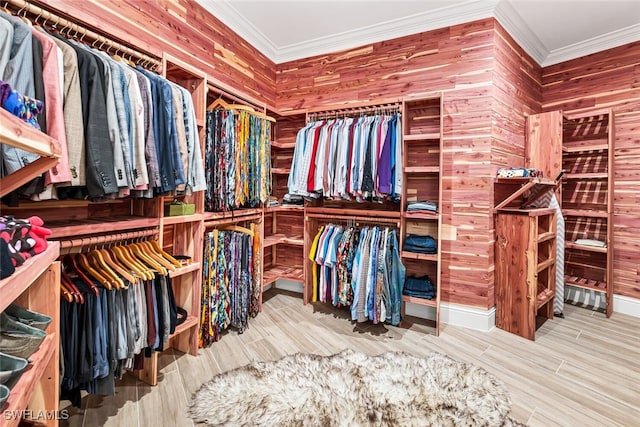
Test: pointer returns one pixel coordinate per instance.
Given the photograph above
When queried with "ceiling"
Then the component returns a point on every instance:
(551, 31)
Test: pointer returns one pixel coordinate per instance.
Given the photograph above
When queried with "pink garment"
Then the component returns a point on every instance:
(53, 107)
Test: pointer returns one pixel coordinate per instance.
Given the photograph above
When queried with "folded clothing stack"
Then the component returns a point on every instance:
(419, 287)
(24, 238)
(273, 201)
(292, 200)
(420, 244)
(424, 205)
(21, 106)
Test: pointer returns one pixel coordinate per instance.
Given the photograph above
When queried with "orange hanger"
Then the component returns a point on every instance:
(164, 254)
(113, 263)
(83, 261)
(149, 250)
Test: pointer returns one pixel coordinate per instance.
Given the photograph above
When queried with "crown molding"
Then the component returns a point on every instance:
(233, 19)
(461, 13)
(595, 44)
(517, 27)
(502, 10)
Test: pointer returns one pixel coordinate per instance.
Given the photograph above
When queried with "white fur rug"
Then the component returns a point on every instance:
(353, 389)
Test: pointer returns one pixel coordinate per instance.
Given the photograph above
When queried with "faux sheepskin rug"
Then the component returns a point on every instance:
(353, 389)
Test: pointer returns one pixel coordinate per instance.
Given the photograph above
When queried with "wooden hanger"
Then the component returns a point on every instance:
(64, 293)
(150, 250)
(71, 263)
(70, 288)
(112, 261)
(100, 264)
(83, 261)
(145, 258)
(123, 255)
(164, 254)
(238, 229)
(219, 103)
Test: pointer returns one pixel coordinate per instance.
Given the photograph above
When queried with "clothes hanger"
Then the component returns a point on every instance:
(112, 262)
(164, 254)
(123, 255)
(144, 268)
(64, 293)
(70, 262)
(143, 257)
(149, 250)
(98, 262)
(83, 261)
(71, 288)
(219, 103)
(239, 229)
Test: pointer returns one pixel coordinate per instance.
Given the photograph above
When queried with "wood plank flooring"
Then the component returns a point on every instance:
(581, 370)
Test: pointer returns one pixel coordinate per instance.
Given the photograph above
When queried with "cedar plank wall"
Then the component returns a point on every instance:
(517, 80)
(183, 29)
(610, 79)
(458, 61)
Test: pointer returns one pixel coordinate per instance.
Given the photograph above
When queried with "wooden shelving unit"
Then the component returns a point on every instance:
(525, 268)
(587, 201)
(422, 158)
(35, 285)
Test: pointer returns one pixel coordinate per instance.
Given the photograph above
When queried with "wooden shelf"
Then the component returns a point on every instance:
(23, 390)
(421, 301)
(586, 146)
(13, 286)
(273, 273)
(283, 144)
(546, 264)
(544, 297)
(189, 322)
(16, 133)
(525, 180)
(421, 137)
(422, 257)
(591, 175)
(590, 284)
(180, 219)
(572, 245)
(585, 212)
(194, 266)
(76, 227)
(282, 171)
(280, 238)
(543, 237)
(420, 215)
(281, 208)
(422, 169)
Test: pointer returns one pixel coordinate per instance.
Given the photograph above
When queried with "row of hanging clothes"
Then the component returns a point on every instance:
(352, 158)
(117, 306)
(360, 268)
(238, 157)
(232, 281)
(123, 131)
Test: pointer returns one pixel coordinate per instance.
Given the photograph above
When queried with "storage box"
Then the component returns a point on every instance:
(179, 208)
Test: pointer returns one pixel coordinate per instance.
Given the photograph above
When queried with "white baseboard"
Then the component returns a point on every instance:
(456, 315)
(468, 317)
(626, 305)
(289, 285)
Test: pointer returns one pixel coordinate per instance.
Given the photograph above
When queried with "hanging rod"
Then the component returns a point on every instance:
(23, 7)
(355, 109)
(355, 219)
(78, 244)
(228, 92)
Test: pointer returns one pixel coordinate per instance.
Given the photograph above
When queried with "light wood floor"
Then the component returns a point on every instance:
(583, 370)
